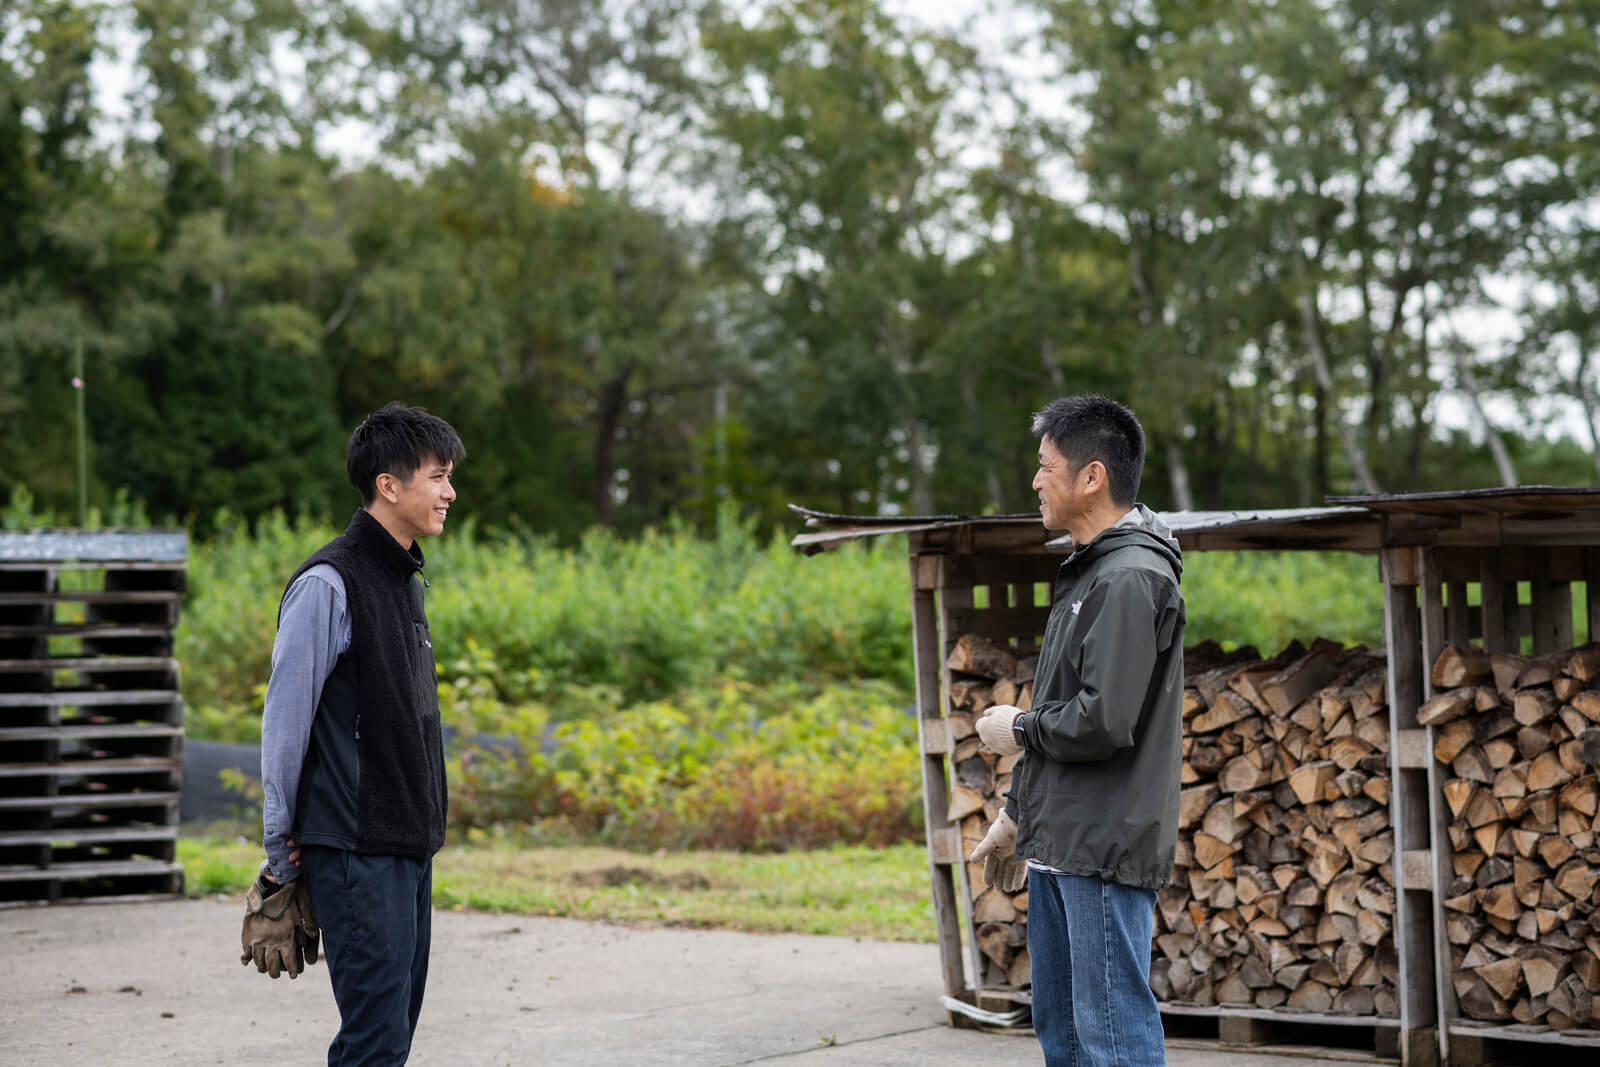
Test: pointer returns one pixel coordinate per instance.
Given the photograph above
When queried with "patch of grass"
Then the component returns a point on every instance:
(860, 892)
(216, 862)
(879, 893)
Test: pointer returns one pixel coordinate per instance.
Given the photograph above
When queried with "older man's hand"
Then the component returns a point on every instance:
(996, 729)
(1002, 868)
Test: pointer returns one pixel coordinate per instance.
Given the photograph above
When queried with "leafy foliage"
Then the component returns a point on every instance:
(740, 767)
(657, 256)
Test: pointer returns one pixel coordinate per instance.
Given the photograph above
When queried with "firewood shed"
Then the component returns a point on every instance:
(1348, 872)
(91, 721)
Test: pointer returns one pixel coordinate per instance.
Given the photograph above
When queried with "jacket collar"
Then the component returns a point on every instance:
(369, 533)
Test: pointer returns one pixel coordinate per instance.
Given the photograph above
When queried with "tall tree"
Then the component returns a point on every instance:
(842, 125)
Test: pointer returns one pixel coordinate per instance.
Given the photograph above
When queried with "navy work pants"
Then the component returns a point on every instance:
(376, 914)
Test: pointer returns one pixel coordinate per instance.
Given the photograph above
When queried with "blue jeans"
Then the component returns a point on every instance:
(1089, 945)
(376, 914)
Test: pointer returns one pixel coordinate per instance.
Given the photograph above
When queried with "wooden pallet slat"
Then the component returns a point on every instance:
(67, 872)
(88, 835)
(89, 731)
(89, 698)
(116, 596)
(89, 664)
(89, 801)
(92, 767)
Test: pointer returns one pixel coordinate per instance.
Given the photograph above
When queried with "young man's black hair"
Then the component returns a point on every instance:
(396, 439)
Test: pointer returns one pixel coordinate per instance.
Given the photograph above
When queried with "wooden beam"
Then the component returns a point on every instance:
(1591, 578)
(928, 660)
(1457, 616)
(997, 623)
(1492, 603)
(1403, 630)
(1433, 638)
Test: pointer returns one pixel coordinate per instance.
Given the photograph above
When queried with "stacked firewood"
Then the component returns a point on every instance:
(1521, 739)
(1283, 895)
(985, 674)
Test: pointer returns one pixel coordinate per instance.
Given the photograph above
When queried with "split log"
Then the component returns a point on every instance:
(1443, 707)
(1524, 840)
(977, 655)
(1283, 893)
(1457, 667)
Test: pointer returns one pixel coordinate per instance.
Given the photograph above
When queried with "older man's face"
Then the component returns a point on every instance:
(1056, 484)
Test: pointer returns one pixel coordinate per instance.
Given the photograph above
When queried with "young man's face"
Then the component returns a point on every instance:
(1056, 484)
(424, 498)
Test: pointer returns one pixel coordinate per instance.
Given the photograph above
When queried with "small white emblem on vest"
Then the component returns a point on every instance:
(1076, 604)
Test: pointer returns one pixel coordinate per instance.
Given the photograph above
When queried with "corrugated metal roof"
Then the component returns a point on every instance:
(1511, 498)
(835, 529)
(1331, 527)
(1524, 514)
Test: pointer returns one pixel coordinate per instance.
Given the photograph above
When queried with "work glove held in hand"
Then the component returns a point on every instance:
(996, 729)
(1002, 868)
(308, 935)
(271, 921)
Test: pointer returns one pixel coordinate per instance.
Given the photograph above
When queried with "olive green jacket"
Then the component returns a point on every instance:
(1096, 791)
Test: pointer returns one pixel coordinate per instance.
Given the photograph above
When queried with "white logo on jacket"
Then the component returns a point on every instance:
(1076, 604)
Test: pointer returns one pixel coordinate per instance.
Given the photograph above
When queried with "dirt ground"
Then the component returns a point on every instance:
(160, 983)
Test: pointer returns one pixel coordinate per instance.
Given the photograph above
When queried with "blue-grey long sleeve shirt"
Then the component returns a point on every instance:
(313, 632)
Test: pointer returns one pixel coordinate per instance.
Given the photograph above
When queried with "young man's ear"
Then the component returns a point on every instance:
(387, 487)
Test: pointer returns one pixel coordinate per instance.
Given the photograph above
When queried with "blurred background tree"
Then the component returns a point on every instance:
(653, 257)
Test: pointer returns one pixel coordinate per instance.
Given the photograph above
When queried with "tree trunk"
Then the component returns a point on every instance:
(921, 470)
(969, 399)
(1580, 384)
(1319, 441)
(613, 401)
(1497, 447)
(1311, 322)
(1030, 265)
(1178, 472)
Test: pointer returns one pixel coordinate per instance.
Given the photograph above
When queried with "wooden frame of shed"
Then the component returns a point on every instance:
(1431, 547)
(91, 721)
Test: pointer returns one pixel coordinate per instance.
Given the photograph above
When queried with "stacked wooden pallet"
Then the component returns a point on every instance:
(1283, 896)
(1521, 739)
(91, 722)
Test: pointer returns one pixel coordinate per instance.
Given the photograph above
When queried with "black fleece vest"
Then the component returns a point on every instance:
(384, 691)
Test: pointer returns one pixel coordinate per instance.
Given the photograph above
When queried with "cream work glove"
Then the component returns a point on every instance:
(1002, 868)
(996, 729)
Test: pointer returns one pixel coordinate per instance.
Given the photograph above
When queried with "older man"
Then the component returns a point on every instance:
(1093, 807)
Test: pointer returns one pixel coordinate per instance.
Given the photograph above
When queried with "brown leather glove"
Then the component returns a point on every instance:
(271, 929)
(308, 935)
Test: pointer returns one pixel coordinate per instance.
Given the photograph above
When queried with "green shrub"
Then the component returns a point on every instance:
(736, 767)
(1268, 599)
(651, 617)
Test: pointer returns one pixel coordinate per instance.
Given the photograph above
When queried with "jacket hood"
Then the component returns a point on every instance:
(1150, 532)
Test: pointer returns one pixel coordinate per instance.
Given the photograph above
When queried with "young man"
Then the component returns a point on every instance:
(1093, 807)
(352, 759)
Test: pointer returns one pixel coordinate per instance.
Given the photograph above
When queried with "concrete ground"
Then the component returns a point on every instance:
(160, 983)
